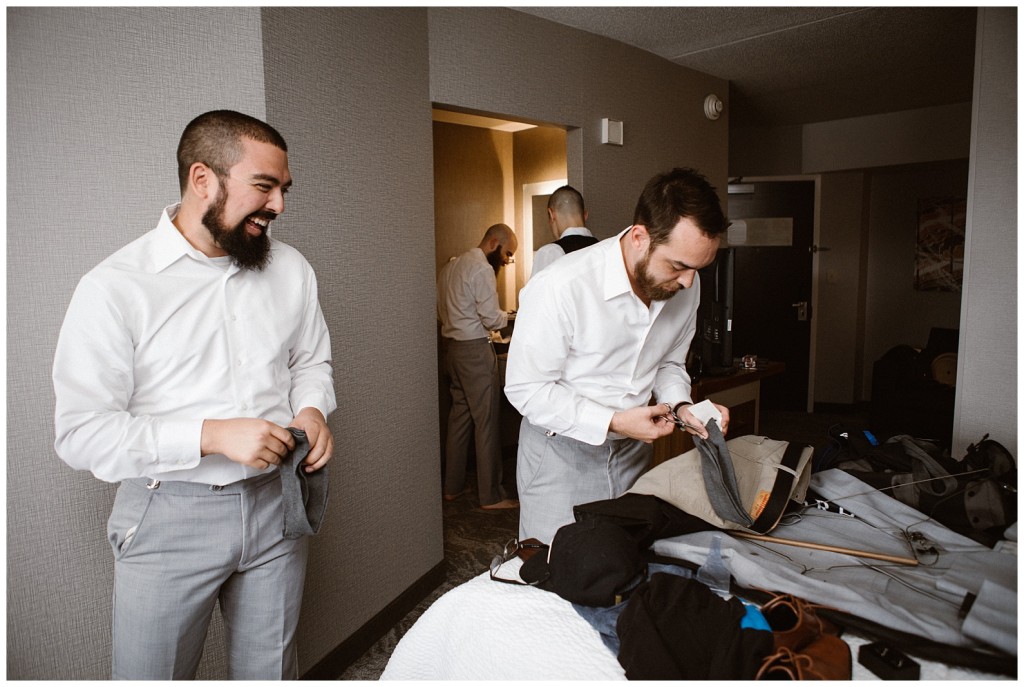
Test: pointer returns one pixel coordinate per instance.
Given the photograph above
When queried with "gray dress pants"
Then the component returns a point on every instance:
(181, 547)
(555, 473)
(472, 368)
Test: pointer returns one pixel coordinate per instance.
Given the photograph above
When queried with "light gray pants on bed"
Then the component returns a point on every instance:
(181, 547)
(555, 473)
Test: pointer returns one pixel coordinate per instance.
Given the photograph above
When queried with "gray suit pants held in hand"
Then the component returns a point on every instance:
(181, 547)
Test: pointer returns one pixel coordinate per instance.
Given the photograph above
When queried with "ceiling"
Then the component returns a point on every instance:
(794, 65)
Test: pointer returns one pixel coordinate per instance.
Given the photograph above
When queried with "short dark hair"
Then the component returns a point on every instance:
(566, 198)
(672, 196)
(215, 139)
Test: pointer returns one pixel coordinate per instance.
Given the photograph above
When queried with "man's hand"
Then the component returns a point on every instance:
(249, 441)
(696, 427)
(645, 423)
(321, 441)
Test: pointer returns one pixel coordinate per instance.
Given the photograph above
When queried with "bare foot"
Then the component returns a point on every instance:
(505, 504)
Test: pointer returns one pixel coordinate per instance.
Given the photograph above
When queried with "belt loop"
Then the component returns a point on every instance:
(153, 484)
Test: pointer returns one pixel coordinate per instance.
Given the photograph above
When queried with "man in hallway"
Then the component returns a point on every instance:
(184, 360)
(467, 307)
(567, 218)
(595, 339)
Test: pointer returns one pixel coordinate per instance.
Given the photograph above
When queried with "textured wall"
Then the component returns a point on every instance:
(349, 86)
(987, 374)
(91, 137)
(895, 312)
(509, 63)
(841, 270)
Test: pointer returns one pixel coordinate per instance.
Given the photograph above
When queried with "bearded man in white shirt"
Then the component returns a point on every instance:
(182, 360)
(597, 340)
(468, 309)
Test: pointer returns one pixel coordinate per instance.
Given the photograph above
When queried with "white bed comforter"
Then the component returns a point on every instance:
(486, 630)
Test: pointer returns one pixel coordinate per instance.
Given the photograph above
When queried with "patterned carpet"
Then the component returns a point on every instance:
(473, 536)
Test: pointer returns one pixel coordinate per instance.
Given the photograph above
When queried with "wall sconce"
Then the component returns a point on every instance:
(713, 106)
(611, 132)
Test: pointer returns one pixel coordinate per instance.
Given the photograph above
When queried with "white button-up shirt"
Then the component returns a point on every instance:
(159, 337)
(585, 346)
(467, 298)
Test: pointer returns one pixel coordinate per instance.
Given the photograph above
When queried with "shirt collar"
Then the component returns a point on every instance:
(616, 279)
(168, 243)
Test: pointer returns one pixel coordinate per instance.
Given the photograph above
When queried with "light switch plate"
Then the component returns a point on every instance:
(611, 131)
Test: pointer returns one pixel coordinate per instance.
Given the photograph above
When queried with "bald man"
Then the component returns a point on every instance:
(567, 218)
(467, 307)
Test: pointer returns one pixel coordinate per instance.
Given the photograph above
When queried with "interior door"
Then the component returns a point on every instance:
(772, 296)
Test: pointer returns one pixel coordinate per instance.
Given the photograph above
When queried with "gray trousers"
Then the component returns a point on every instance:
(182, 547)
(555, 473)
(472, 368)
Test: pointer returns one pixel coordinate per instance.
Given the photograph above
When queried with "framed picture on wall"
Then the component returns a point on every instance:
(939, 264)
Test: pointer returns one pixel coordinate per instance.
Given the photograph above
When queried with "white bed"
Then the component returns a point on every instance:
(485, 630)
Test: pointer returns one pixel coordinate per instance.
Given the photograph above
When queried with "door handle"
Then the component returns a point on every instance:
(801, 311)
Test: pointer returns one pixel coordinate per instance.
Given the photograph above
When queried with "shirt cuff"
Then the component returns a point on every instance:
(593, 425)
(178, 444)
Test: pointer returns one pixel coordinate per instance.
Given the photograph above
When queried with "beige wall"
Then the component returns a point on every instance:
(539, 156)
(472, 177)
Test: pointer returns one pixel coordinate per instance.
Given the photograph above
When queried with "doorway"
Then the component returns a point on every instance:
(490, 169)
(772, 308)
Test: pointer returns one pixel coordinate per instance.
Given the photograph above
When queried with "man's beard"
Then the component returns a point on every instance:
(654, 291)
(494, 257)
(248, 252)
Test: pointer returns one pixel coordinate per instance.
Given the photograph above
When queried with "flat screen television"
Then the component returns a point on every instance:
(712, 346)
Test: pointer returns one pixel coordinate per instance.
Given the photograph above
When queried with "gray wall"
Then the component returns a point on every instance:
(509, 63)
(90, 145)
(91, 138)
(349, 89)
(987, 365)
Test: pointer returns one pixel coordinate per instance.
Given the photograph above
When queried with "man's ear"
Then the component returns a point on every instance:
(639, 237)
(202, 181)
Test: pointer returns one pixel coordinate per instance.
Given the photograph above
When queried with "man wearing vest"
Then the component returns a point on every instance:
(567, 217)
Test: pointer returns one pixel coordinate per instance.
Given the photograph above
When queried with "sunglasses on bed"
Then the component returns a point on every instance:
(512, 548)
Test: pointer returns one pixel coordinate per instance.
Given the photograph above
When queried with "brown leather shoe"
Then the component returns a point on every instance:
(826, 658)
(794, 622)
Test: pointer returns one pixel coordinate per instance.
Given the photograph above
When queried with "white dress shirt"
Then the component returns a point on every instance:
(467, 298)
(585, 346)
(158, 337)
(549, 252)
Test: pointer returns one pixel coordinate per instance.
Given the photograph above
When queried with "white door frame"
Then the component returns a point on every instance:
(541, 188)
